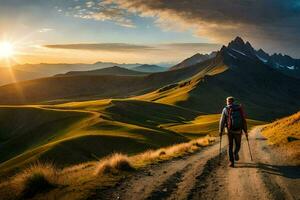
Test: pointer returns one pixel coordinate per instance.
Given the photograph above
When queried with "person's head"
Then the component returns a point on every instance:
(229, 100)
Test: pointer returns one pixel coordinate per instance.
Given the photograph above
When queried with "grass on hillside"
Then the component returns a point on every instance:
(96, 129)
(24, 128)
(44, 181)
(284, 130)
(285, 134)
(203, 125)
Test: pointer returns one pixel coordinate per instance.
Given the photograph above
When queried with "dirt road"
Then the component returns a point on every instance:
(201, 176)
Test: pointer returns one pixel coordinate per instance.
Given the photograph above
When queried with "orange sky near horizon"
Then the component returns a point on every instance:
(34, 54)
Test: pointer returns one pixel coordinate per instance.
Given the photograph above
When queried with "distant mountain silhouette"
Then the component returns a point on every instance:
(149, 68)
(85, 87)
(11, 75)
(115, 70)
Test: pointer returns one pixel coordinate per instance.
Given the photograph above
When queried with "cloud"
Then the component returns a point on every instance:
(131, 53)
(268, 21)
(112, 47)
(193, 45)
(103, 11)
(125, 47)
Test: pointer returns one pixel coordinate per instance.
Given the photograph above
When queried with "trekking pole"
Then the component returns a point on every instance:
(249, 148)
(220, 149)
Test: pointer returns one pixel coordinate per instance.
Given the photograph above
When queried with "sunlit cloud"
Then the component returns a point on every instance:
(274, 22)
(129, 53)
(115, 47)
(101, 11)
(124, 47)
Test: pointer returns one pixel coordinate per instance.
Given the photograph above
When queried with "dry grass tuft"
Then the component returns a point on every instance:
(171, 152)
(114, 164)
(38, 178)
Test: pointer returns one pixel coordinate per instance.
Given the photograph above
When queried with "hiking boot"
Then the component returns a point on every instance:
(231, 164)
(236, 156)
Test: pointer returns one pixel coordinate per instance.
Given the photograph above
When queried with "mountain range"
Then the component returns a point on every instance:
(234, 70)
(283, 63)
(35, 71)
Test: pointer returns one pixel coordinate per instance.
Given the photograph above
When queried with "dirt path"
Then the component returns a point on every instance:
(201, 176)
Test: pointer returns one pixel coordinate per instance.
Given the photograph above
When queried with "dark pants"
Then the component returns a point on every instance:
(236, 138)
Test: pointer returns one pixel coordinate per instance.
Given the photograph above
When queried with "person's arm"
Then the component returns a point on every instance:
(223, 121)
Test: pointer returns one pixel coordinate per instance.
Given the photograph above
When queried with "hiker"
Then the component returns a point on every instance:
(233, 118)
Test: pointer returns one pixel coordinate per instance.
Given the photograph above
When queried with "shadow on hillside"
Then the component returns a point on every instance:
(287, 171)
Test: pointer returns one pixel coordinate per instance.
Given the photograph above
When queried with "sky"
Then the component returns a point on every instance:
(144, 31)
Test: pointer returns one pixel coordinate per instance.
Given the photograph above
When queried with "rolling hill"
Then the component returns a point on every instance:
(26, 127)
(52, 69)
(78, 132)
(77, 88)
(115, 70)
(22, 72)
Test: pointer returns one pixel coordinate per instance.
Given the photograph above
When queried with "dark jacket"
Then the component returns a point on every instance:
(224, 118)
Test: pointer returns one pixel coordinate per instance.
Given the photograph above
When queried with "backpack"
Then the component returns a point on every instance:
(235, 119)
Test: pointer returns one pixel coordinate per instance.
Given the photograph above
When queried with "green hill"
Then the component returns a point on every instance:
(25, 128)
(77, 132)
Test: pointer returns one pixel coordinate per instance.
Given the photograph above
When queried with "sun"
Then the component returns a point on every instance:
(6, 50)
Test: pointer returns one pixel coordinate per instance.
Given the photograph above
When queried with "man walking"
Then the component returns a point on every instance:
(233, 118)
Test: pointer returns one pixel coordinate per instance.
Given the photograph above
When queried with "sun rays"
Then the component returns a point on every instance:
(7, 53)
(6, 50)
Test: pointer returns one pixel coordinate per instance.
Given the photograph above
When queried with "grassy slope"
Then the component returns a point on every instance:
(25, 128)
(78, 132)
(279, 131)
(284, 133)
(263, 91)
(205, 125)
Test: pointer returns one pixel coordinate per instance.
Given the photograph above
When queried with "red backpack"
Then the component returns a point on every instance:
(236, 117)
